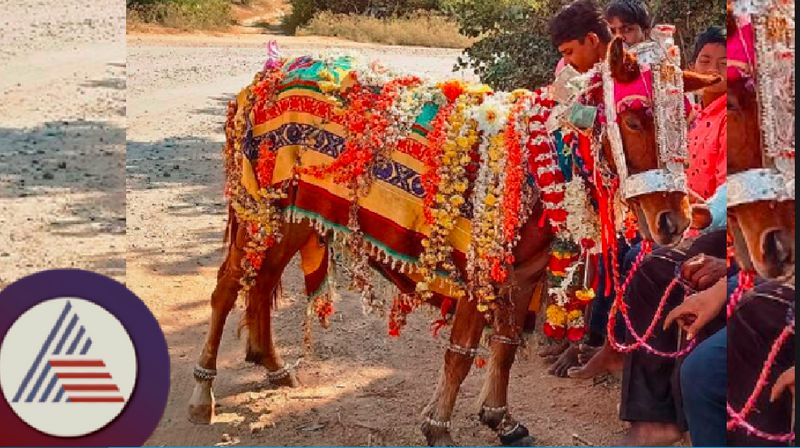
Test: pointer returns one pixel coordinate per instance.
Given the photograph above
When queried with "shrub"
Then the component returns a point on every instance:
(421, 28)
(304, 10)
(691, 17)
(183, 14)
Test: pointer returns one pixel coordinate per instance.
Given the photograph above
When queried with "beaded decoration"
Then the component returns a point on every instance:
(662, 59)
(773, 26)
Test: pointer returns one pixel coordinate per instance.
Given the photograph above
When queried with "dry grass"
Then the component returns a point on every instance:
(255, 11)
(181, 14)
(420, 29)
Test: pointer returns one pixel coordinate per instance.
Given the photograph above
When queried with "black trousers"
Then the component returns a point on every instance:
(651, 383)
(755, 325)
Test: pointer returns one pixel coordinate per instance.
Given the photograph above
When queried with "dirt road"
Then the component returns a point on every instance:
(361, 387)
(62, 136)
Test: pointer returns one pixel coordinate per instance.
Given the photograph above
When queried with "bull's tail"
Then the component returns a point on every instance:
(231, 228)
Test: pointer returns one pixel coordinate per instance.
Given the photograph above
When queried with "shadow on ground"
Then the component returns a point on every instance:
(81, 159)
(183, 178)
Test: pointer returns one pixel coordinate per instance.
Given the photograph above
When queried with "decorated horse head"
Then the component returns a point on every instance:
(761, 135)
(644, 136)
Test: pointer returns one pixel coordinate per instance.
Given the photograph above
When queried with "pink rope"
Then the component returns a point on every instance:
(641, 341)
(783, 438)
(744, 283)
(738, 419)
(619, 303)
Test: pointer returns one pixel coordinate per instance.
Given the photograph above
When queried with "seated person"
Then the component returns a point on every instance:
(705, 174)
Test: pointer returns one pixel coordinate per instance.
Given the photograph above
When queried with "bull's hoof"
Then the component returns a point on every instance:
(519, 436)
(201, 414)
(436, 436)
(525, 441)
(289, 380)
(492, 417)
(201, 404)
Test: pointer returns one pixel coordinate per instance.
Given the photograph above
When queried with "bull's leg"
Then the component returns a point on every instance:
(260, 345)
(464, 339)
(506, 338)
(201, 403)
(262, 299)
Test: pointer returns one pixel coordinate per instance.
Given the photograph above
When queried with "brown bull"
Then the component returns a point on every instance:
(666, 216)
(763, 231)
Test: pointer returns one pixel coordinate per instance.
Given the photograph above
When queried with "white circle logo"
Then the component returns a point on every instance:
(67, 367)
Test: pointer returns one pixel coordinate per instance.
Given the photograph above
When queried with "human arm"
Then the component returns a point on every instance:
(782, 384)
(699, 309)
(718, 206)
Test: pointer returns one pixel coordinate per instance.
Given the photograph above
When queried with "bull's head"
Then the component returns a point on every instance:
(761, 139)
(646, 134)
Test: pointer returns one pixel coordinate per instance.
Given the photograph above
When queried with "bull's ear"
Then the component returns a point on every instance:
(623, 65)
(693, 81)
(730, 21)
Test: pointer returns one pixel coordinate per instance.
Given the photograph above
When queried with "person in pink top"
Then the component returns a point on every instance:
(707, 132)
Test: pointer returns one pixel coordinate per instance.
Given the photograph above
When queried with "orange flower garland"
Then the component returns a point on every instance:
(446, 166)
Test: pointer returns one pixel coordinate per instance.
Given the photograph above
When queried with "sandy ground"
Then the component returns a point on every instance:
(62, 136)
(360, 386)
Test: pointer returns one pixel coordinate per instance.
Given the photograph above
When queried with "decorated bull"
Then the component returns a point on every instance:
(463, 197)
(761, 209)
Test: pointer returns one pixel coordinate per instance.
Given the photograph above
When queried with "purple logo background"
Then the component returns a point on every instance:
(146, 405)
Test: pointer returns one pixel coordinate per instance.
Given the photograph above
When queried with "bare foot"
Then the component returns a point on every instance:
(554, 350)
(567, 360)
(652, 434)
(587, 352)
(605, 360)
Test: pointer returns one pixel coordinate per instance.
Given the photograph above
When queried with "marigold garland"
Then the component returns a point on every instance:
(446, 166)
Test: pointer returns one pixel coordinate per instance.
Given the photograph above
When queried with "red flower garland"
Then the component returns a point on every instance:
(544, 167)
(452, 90)
(512, 194)
(366, 121)
(431, 157)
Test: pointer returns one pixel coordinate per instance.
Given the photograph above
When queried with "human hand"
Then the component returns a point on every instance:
(698, 309)
(701, 216)
(702, 271)
(784, 382)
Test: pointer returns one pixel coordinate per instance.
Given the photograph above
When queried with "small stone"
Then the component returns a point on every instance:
(47, 175)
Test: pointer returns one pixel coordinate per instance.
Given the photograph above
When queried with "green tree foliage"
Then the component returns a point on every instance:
(691, 17)
(514, 49)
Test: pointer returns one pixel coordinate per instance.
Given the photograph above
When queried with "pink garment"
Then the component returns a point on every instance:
(636, 94)
(639, 93)
(273, 56)
(741, 51)
(560, 66)
(708, 149)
